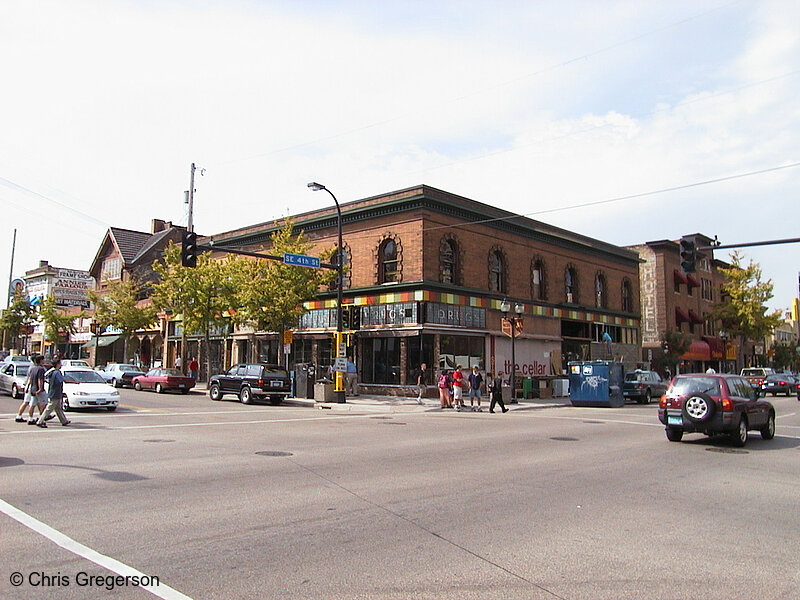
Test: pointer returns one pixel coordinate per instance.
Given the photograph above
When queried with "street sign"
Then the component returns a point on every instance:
(342, 349)
(506, 328)
(288, 336)
(340, 364)
(301, 260)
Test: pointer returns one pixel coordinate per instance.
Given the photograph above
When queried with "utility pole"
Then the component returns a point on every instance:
(190, 223)
(11, 269)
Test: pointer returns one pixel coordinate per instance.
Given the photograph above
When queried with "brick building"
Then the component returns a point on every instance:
(427, 273)
(677, 301)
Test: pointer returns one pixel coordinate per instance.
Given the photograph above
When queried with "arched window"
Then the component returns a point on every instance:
(600, 291)
(346, 264)
(538, 283)
(497, 268)
(449, 267)
(627, 295)
(388, 261)
(571, 285)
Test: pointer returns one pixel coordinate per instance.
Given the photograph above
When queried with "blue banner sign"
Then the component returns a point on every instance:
(301, 260)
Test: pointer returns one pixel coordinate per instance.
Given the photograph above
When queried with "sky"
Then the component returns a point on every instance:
(626, 121)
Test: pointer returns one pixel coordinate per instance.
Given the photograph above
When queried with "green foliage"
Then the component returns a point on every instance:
(743, 311)
(674, 345)
(784, 356)
(16, 318)
(119, 306)
(272, 294)
(56, 323)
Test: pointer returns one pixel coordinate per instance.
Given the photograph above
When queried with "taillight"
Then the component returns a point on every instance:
(662, 403)
(260, 383)
(727, 404)
(782, 383)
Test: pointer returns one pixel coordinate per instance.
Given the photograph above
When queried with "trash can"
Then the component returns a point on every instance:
(323, 391)
(304, 380)
(596, 383)
(527, 387)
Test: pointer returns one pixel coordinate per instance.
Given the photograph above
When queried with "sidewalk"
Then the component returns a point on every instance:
(400, 404)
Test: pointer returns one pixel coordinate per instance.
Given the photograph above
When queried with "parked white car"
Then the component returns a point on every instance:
(12, 378)
(120, 374)
(85, 388)
(72, 362)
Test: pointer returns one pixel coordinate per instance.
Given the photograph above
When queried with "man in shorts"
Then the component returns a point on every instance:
(458, 388)
(34, 389)
(475, 384)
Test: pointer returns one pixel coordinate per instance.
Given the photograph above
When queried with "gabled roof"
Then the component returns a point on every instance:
(153, 241)
(129, 242)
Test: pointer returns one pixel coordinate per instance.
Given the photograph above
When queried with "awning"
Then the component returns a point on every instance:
(679, 277)
(681, 316)
(699, 350)
(694, 318)
(691, 280)
(715, 344)
(102, 341)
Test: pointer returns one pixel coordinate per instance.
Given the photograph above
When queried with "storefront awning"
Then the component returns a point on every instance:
(691, 280)
(102, 341)
(715, 345)
(699, 350)
(681, 316)
(679, 277)
(694, 318)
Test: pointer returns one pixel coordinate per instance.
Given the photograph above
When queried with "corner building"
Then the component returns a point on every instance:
(427, 271)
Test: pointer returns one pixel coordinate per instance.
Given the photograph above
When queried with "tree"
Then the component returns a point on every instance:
(674, 345)
(15, 321)
(119, 306)
(203, 295)
(57, 324)
(272, 295)
(743, 310)
(784, 356)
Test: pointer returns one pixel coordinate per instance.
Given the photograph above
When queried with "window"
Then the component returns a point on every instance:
(497, 267)
(112, 269)
(706, 289)
(571, 285)
(600, 295)
(346, 267)
(448, 261)
(538, 287)
(381, 360)
(388, 261)
(627, 296)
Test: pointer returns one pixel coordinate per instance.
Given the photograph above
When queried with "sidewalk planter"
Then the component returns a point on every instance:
(323, 391)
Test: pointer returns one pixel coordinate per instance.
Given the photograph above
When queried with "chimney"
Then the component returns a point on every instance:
(43, 263)
(157, 225)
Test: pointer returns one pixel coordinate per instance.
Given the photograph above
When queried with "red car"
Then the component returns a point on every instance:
(162, 380)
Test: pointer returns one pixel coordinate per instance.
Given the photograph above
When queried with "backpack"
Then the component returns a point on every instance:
(443, 381)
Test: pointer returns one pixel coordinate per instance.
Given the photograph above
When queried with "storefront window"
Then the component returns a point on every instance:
(268, 351)
(464, 350)
(420, 350)
(381, 360)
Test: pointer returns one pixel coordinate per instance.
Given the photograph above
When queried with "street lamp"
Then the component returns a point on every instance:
(723, 335)
(339, 387)
(505, 308)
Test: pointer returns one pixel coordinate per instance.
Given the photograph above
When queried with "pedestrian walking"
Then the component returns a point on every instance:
(458, 388)
(55, 390)
(475, 384)
(35, 393)
(351, 377)
(496, 391)
(178, 362)
(444, 390)
(194, 368)
(422, 385)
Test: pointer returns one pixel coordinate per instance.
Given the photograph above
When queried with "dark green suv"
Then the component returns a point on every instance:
(252, 381)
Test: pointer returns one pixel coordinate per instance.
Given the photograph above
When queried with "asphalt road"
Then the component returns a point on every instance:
(221, 500)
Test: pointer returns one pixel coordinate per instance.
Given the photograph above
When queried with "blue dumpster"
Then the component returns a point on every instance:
(596, 383)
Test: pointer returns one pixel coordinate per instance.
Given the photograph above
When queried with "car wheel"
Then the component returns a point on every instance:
(674, 435)
(698, 408)
(215, 393)
(159, 389)
(275, 400)
(648, 396)
(768, 431)
(137, 386)
(65, 404)
(246, 396)
(739, 436)
(15, 392)
(111, 408)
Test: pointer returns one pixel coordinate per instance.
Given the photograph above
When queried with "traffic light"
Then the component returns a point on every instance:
(355, 318)
(346, 314)
(688, 255)
(189, 249)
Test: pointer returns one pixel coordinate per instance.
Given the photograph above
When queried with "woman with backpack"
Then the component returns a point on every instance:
(444, 384)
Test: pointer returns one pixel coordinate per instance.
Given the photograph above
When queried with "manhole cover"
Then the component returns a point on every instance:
(564, 439)
(727, 450)
(158, 441)
(381, 417)
(273, 453)
(594, 422)
(393, 423)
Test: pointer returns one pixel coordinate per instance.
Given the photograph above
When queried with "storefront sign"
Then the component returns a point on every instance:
(71, 288)
(401, 313)
(451, 314)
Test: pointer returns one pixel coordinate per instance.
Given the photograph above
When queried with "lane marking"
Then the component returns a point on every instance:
(67, 543)
(172, 425)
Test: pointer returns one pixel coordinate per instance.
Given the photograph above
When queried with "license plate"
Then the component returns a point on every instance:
(674, 421)
(276, 384)
(100, 401)
(180, 385)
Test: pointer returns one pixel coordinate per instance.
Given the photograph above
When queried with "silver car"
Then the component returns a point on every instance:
(12, 378)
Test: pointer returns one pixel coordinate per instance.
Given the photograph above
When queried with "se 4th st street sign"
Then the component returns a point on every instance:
(301, 260)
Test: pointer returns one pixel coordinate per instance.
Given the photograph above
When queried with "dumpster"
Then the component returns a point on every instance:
(596, 383)
(304, 380)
